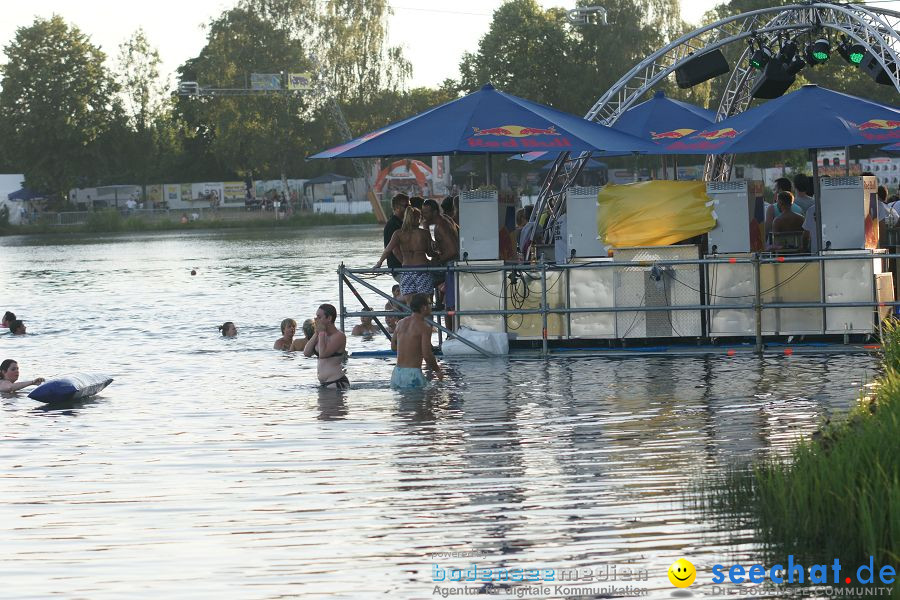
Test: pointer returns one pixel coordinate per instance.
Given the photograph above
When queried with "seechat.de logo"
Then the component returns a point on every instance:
(682, 573)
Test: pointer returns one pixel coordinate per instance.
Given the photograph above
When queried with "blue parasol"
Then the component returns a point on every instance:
(488, 122)
(811, 117)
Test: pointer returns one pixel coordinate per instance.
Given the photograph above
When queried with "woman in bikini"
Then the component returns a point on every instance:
(328, 344)
(413, 243)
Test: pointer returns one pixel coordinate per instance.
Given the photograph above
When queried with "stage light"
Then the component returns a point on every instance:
(853, 53)
(818, 52)
(795, 66)
(772, 82)
(760, 58)
(788, 52)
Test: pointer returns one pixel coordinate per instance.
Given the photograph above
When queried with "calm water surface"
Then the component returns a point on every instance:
(215, 468)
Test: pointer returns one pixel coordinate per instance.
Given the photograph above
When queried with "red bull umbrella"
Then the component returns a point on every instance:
(660, 120)
(811, 117)
(488, 122)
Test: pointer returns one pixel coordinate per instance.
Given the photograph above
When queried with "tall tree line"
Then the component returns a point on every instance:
(70, 118)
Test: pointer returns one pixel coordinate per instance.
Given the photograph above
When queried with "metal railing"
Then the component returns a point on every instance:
(348, 276)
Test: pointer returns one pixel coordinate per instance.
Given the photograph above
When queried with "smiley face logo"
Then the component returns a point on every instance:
(682, 573)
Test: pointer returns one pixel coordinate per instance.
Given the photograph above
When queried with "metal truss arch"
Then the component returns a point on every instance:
(876, 29)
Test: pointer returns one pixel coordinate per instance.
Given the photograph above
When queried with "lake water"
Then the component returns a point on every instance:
(215, 468)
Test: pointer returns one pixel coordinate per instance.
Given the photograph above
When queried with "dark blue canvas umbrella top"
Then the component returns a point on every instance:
(811, 117)
(487, 121)
(24, 194)
(662, 119)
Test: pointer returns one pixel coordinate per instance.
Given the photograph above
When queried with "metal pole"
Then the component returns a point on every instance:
(409, 310)
(341, 294)
(544, 350)
(366, 307)
(758, 303)
(818, 197)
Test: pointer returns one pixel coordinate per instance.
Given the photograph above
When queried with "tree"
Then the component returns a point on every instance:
(537, 54)
(602, 54)
(341, 42)
(55, 103)
(525, 53)
(143, 93)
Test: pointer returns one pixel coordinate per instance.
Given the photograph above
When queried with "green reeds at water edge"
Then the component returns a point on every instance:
(838, 494)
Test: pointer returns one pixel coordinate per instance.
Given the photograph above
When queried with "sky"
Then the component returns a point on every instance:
(433, 33)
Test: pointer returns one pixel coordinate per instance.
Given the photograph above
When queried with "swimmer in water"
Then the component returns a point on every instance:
(228, 329)
(366, 327)
(328, 344)
(286, 341)
(9, 375)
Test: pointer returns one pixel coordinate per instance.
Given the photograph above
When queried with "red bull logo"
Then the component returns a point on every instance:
(882, 124)
(675, 134)
(516, 131)
(880, 130)
(718, 134)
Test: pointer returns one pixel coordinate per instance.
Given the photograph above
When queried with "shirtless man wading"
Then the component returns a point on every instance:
(412, 342)
(328, 344)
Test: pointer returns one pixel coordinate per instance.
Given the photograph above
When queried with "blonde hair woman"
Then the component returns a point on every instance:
(414, 243)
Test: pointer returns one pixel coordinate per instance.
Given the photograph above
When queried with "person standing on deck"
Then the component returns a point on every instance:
(398, 207)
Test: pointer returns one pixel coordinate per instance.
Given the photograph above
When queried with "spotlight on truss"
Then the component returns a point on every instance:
(585, 15)
(852, 52)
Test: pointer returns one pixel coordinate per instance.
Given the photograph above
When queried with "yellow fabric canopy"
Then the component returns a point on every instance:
(653, 213)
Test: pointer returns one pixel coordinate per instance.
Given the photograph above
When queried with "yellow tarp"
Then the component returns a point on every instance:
(653, 213)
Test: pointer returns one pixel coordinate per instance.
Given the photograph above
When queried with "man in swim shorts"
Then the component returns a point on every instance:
(412, 342)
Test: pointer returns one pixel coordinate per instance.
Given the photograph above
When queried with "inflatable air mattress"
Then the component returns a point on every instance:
(77, 386)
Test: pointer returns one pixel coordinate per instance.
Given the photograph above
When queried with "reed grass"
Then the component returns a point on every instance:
(838, 493)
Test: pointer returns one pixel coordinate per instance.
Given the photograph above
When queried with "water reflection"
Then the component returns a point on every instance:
(332, 404)
(220, 464)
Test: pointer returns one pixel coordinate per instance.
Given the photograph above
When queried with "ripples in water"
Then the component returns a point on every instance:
(216, 467)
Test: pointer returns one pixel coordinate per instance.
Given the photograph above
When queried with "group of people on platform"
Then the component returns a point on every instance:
(422, 233)
(790, 222)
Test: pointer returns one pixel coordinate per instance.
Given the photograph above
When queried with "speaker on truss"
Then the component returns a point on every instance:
(700, 68)
(874, 69)
(772, 82)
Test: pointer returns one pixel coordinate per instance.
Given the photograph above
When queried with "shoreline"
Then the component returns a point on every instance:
(114, 222)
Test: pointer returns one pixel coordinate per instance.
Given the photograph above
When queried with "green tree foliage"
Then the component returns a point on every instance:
(524, 53)
(351, 41)
(537, 54)
(604, 53)
(243, 134)
(55, 104)
(144, 104)
(341, 42)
